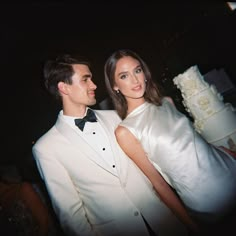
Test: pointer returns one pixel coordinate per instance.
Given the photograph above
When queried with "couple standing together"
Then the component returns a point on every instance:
(140, 170)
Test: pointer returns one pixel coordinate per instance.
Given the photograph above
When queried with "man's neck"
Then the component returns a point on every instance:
(78, 111)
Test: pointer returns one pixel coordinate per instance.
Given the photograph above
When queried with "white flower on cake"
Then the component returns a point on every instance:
(198, 125)
(203, 103)
(190, 87)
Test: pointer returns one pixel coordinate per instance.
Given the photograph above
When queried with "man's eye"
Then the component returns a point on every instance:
(85, 79)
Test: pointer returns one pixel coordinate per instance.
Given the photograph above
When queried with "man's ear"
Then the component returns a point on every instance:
(62, 87)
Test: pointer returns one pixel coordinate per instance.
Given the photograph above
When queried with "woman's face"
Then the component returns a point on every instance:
(129, 78)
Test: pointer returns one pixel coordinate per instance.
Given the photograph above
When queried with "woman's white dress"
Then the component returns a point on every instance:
(203, 176)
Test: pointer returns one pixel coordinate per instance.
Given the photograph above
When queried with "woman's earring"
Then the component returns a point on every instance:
(145, 80)
(117, 91)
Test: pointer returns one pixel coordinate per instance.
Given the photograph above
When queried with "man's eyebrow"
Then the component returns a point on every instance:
(87, 76)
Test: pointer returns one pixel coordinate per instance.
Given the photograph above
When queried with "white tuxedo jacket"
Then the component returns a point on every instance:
(87, 197)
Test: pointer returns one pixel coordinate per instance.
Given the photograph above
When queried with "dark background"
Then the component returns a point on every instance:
(170, 37)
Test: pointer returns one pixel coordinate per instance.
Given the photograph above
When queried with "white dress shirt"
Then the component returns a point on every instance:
(94, 134)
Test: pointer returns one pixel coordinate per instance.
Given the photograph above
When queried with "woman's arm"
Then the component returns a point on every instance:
(132, 147)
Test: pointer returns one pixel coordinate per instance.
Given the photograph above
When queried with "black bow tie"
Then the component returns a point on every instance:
(90, 116)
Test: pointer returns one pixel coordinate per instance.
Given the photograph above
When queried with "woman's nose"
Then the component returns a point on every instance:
(134, 79)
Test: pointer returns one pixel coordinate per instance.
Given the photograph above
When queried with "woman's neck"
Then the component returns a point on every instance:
(134, 103)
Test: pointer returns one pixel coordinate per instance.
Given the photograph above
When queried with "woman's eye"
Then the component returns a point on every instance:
(139, 70)
(123, 76)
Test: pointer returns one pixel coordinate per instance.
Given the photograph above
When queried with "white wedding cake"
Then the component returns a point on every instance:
(213, 119)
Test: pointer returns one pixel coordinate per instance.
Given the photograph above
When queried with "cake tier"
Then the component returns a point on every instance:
(225, 141)
(191, 82)
(218, 126)
(204, 104)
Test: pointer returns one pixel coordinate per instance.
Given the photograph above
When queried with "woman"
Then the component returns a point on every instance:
(156, 136)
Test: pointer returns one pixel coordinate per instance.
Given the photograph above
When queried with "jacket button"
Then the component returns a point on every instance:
(136, 213)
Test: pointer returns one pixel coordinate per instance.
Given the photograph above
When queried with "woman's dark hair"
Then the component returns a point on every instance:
(60, 70)
(152, 93)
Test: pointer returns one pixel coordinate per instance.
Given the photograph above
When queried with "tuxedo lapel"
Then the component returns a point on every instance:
(84, 148)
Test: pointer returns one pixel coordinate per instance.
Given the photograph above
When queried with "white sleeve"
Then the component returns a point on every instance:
(64, 195)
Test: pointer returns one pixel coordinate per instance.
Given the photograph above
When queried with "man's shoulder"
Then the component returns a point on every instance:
(46, 137)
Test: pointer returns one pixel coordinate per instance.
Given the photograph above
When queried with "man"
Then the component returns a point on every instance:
(94, 187)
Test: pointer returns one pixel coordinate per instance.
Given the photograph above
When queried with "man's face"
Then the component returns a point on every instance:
(82, 89)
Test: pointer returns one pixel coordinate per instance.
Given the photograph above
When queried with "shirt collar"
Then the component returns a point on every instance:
(70, 119)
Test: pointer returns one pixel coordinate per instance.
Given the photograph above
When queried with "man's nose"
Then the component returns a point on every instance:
(93, 85)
